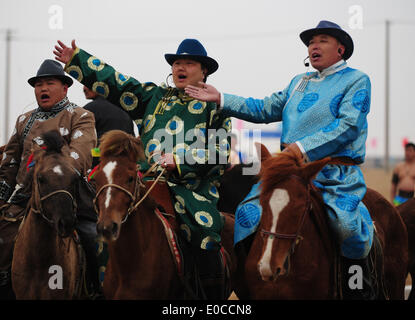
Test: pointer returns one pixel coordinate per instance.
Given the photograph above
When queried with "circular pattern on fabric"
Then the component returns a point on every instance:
(227, 124)
(75, 72)
(213, 114)
(335, 105)
(101, 88)
(199, 197)
(347, 202)
(200, 132)
(191, 181)
(248, 215)
(204, 218)
(213, 191)
(138, 123)
(120, 78)
(152, 146)
(174, 125)
(361, 100)
(95, 64)
(307, 101)
(149, 123)
(180, 151)
(186, 231)
(196, 106)
(128, 101)
(333, 125)
(208, 243)
(200, 155)
(180, 205)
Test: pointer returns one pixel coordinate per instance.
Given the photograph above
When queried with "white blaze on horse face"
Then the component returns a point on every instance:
(58, 170)
(277, 203)
(108, 170)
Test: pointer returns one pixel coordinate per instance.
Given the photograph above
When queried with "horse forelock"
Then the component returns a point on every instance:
(53, 141)
(278, 168)
(116, 143)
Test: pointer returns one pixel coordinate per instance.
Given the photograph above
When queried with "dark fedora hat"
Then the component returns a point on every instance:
(51, 68)
(332, 29)
(194, 50)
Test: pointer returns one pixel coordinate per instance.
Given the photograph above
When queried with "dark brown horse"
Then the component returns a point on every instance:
(407, 211)
(141, 264)
(293, 255)
(46, 261)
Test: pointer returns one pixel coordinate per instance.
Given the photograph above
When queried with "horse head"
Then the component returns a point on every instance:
(117, 181)
(54, 183)
(286, 200)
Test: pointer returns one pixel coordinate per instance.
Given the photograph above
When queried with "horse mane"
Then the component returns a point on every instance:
(53, 141)
(277, 168)
(118, 143)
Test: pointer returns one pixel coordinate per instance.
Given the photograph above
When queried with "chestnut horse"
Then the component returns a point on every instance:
(293, 255)
(407, 211)
(46, 259)
(141, 264)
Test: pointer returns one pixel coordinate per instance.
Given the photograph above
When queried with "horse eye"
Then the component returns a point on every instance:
(130, 179)
(41, 179)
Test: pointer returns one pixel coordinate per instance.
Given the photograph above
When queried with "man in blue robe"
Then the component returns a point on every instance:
(323, 113)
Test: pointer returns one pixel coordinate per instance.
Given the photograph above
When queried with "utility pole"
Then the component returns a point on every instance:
(387, 74)
(7, 87)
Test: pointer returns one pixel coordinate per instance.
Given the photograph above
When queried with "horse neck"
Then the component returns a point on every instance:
(141, 233)
(42, 238)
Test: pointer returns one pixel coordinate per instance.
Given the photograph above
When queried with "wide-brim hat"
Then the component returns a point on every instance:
(51, 68)
(194, 50)
(332, 29)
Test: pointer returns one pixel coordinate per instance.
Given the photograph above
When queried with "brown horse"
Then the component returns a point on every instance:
(407, 211)
(46, 261)
(293, 255)
(141, 264)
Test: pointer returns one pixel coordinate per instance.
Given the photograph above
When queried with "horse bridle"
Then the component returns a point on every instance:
(134, 197)
(39, 208)
(295, 237)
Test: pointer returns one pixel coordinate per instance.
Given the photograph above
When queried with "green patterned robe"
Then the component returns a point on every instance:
(172, 122)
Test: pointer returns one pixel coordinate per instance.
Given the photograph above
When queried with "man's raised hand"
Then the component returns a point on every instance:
(204, 93)
(63, 53)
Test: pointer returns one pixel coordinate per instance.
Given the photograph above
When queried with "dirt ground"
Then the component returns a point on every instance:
(379, 180)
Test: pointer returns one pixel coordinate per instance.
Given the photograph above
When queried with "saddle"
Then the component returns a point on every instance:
(203, 273)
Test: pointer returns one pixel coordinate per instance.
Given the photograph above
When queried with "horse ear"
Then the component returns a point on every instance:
(262, 151)
(313, 168)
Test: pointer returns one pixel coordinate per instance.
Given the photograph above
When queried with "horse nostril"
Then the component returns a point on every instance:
(114, 229)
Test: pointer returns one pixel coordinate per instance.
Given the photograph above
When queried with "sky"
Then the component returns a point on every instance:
(256, 44)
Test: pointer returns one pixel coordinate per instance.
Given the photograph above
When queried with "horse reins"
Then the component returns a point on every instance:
(133, 205)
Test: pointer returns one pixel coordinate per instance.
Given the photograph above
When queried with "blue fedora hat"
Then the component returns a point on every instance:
(51, 68)
(332, 29)
(194, 50)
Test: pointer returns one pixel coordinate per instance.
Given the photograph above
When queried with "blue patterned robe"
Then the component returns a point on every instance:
(325, 114)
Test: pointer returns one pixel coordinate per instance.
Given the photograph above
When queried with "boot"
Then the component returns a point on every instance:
(6, 290)
(357, 283)
(212, 274)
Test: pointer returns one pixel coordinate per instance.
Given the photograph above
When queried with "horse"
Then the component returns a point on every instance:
(141, 264)
(407, 212)
(293, 255)
(47, 261)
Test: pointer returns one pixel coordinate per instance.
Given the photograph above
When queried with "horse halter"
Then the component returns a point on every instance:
(39, 208)
(296, 237)
(133, 197)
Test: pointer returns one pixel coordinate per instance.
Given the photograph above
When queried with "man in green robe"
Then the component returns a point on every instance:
(186, 136)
